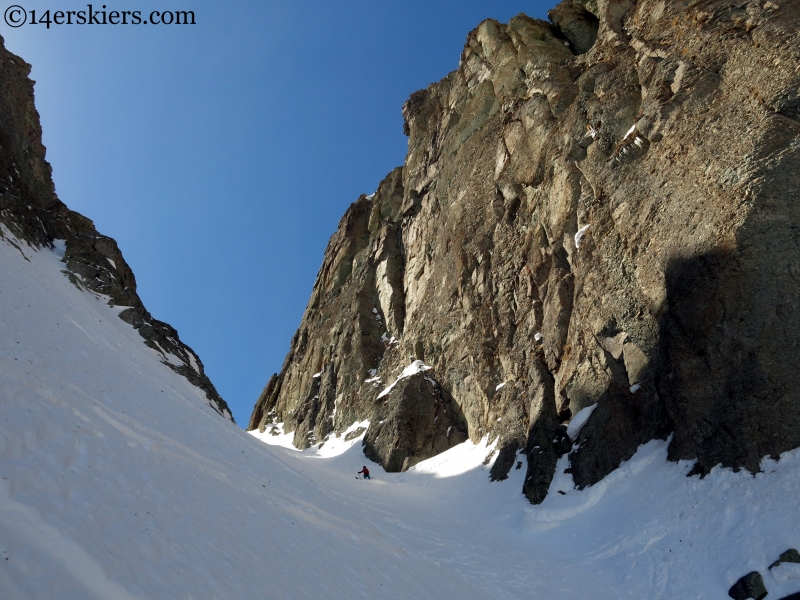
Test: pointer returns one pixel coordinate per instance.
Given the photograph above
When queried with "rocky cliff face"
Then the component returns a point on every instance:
(30, 209)
(601, 210)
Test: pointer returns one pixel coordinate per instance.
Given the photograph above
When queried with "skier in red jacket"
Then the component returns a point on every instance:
(365, 471)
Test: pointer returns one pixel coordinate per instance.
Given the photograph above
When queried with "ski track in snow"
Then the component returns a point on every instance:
(117, 480)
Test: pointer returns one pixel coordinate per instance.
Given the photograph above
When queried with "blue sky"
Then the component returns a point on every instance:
(221, 156)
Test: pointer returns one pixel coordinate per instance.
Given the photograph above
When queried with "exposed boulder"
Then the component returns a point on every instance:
(749, 586)
(790, 556)
(415, 419)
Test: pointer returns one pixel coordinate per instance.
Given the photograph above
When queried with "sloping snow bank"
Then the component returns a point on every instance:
(645, 531)
(665, 535)
(117, 480)
(333, 446)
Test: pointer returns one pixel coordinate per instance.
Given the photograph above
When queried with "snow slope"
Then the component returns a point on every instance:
(119, 481)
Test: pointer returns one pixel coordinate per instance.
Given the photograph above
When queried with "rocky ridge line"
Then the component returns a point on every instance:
(31, 210)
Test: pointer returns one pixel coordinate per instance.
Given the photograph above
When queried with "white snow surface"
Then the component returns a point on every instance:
(579, 420)
(579, 235)
(415, 367)
(117, 480)
(60, 247)
(193, 362)
(629, 132)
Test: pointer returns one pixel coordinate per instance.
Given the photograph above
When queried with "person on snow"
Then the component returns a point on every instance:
(365, 471)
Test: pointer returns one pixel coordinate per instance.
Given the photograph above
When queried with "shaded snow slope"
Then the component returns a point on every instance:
(119, 481)
(646, 531)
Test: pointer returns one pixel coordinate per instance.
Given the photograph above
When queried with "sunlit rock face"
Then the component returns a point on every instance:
(597, 210)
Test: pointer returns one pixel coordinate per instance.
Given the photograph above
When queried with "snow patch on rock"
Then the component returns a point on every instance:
(578, 421)
(415, 367)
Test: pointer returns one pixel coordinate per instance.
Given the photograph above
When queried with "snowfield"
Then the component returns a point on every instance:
(117, 480)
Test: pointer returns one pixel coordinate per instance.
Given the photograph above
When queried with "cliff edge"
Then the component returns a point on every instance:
(597, 213)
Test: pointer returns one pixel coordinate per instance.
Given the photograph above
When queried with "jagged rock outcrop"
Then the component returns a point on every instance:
(598, 210)
(31, 210)
(419, 419)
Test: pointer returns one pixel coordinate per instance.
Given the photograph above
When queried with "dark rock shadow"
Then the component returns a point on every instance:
(622, 421)
(729, 360)
(726, 367)
(576, 24)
